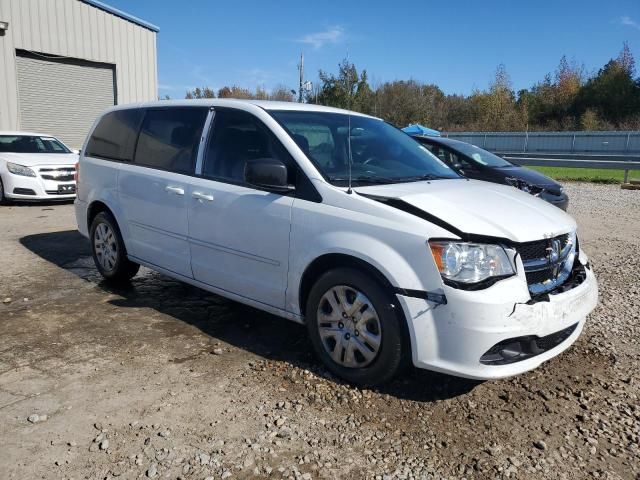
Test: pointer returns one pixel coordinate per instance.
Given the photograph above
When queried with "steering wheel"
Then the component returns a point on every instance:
(371, 161)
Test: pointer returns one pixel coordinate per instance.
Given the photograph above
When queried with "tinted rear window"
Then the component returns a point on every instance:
(31, 144)
(115, 135)
(169, 138)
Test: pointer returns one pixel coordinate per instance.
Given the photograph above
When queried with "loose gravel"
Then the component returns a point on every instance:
(162, 380)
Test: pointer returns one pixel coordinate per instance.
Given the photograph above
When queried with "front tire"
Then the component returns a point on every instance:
(109, 252)
(354, 327)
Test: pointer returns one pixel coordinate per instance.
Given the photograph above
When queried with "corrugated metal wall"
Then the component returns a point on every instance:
(67, 103)
(75, 29)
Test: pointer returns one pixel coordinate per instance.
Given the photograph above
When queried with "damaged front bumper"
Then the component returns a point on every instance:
(480, 335)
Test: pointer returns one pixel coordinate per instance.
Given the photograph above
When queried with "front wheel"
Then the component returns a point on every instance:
(109, 253)
(354, 328)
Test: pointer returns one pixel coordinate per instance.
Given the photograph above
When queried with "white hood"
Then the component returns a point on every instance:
(481, 208)
(40, 159)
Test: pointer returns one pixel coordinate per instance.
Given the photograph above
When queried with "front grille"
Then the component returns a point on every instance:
(547, 263)
(538, 249)
(65, 174)
(539, 276)
(57, 192)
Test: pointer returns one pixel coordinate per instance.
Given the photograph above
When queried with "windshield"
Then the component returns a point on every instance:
(380, 153)
(479, 155)
(31, 144)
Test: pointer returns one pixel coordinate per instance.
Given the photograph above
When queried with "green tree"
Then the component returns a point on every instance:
(496, 109)
(589, 120)
(612, 93)
(348, 89)
(403, 102)
(626, 60)
(235, 92)
(282, 94)
(204, 92)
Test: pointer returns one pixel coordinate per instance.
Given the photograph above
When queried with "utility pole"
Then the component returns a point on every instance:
(301, 71)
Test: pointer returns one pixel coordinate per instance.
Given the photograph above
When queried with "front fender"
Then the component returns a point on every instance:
(389, 261)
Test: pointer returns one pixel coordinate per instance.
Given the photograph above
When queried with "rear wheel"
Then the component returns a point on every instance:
(3, 199)
(109, 253)
(354, 328)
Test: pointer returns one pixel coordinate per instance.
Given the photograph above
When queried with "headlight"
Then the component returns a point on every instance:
(524, 186)
(20, 170)
(470, 262)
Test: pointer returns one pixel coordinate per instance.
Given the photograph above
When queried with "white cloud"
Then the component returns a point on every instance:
(331, 35)
(629, 22)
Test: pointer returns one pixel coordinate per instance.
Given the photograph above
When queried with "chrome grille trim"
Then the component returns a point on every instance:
(561, 254)
(62, 174)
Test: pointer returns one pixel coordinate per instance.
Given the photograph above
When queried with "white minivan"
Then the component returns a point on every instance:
(339, 221)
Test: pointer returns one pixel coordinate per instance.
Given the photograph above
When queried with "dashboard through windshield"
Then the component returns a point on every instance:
(379, 152)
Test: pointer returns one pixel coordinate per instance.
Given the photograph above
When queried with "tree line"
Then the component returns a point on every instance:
(567, 99)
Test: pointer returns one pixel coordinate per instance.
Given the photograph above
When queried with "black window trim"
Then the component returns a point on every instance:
(305, 190)
(113, 159)
(303, 185)
(168, 107)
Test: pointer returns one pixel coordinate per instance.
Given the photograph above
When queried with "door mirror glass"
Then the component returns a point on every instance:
(267, 173)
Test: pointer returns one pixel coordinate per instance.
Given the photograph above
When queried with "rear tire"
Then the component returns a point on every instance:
(3, 199)
(109, 252)
(354, 327)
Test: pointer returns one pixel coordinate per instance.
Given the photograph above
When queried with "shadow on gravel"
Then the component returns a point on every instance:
(244, 327)
(39, 203)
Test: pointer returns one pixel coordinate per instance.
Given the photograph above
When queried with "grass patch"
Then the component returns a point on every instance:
(595, 175)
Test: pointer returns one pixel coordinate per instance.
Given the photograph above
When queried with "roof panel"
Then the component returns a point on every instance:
(121, 14)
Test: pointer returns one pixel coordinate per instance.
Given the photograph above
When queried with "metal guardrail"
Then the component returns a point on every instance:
(627, 142)
(603, 150)
(616, 163)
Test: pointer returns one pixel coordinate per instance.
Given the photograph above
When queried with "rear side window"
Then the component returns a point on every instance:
(115, 135)
(169, 138)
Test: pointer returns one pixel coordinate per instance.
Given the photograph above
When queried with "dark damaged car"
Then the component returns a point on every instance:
(478, 164)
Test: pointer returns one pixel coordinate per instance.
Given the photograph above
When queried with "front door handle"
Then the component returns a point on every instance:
(174, 190)
(202, 196)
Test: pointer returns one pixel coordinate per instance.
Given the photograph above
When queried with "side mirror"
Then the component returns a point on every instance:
(267, 173)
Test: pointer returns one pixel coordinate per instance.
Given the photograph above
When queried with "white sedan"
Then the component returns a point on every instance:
(35, 166)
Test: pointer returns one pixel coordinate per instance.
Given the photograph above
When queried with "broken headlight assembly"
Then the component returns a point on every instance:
(524, 186)
(471, 265)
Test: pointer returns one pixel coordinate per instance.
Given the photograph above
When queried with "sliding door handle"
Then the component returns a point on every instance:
(202, 196)
(174, 190)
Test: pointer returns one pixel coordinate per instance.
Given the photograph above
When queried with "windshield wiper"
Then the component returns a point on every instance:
(365, 179)
(419, 178)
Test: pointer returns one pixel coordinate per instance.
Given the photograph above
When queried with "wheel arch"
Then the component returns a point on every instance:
(330, 261)
(94, 209)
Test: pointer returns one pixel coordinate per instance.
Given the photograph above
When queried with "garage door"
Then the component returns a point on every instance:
(62, 97)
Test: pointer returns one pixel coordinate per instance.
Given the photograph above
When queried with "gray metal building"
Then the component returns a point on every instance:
(62, 62)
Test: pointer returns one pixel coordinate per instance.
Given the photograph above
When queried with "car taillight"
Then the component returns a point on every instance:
(76, 175)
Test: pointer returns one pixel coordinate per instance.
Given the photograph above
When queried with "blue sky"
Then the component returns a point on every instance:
(454, 44)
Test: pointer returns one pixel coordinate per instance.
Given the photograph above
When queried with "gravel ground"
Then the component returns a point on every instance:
(162, 380)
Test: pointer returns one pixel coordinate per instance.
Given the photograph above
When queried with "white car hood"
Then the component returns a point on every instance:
(481, 208)
(39, 159)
